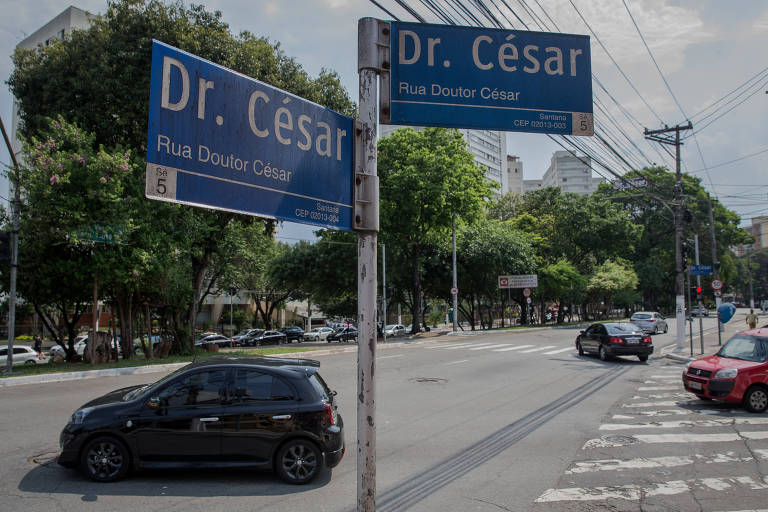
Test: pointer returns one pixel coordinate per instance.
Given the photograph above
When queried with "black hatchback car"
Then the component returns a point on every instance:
(615, 339)
(293, 333)
(256, 412)
(348, 333)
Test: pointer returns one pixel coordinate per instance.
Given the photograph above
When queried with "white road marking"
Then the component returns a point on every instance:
(591, 466)
(511, 348)
(457, 362)
(677, 376)
(446, 345)
(490, 346)
(663, 412)
(470, 345)
(724, 422)
(652, 404)
(389, 357)
(657, 396)
(614, 441)
(634, 492)
(558, 351)
(659, 388)
(538, 349)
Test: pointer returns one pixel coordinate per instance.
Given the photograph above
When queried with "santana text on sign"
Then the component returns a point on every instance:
(482, 78)
(221, 140)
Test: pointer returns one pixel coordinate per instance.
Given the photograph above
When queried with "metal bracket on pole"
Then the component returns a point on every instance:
(366, 184)
(376, 56)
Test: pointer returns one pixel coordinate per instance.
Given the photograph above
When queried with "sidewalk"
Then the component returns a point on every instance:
(736, 324)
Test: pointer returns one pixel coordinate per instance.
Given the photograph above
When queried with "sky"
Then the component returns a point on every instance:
(704, 49)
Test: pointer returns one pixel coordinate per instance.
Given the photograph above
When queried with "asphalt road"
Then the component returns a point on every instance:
(507, 421)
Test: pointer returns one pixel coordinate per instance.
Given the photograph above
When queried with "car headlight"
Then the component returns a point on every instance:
(727, 373)
(687, 365)
(79, 416)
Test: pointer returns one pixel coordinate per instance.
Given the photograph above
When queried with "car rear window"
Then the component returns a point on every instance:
(621, 328)
(320, 387)
(641, 316)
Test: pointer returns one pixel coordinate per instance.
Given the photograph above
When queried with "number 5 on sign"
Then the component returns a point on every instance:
(160, 182)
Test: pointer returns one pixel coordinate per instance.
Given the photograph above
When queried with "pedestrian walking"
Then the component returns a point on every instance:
(38, 344)
(752, 319)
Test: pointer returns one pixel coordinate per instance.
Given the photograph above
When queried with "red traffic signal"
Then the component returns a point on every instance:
(698, 289)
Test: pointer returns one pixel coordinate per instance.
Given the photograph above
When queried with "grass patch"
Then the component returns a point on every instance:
(64, 367)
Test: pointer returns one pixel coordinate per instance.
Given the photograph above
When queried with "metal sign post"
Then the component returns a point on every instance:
(372, 58)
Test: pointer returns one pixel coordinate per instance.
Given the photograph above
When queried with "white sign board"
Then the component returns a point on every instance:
(717, 284)
(519, 281)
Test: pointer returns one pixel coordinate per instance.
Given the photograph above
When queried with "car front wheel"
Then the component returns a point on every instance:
(105, 459)
(298, 461)
(756, 399)
(579, 348)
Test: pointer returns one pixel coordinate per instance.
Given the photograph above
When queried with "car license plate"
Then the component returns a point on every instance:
(694, 385)
(633, 341)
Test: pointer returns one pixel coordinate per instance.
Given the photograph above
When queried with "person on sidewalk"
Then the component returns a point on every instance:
(38, 344)
(752, 319)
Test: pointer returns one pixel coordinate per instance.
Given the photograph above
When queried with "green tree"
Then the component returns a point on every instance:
(67, 184)
(426, 178)
(610, 282)
(561, 282)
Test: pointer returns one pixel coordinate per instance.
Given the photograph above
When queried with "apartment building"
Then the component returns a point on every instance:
(571, 173)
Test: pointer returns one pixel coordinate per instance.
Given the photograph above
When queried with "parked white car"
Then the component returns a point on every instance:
(22, 355)
(394, 330)
(317, 334)
(79, 346)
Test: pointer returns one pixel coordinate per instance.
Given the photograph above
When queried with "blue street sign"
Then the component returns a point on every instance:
(726, 311)
(701, 270)
(483, 78)
(221, 140)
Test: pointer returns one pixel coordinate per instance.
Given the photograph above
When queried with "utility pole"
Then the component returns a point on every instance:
(14, 252)
(715, 262)
(384, 290)
(662, 136)
(455, 285)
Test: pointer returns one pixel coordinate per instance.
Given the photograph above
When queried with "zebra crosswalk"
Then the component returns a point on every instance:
(663, 449)
(547, 350)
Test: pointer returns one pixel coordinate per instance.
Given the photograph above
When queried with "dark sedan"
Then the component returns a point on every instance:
(265, 338)
(215, 339)
(293, 333)
(344, 334)
(245, 412)
(615, 339)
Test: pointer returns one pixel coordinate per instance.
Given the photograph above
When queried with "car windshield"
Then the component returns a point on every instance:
(390, 327)
(746, 348)
(641, 316)
(157, 385)
(621, 328)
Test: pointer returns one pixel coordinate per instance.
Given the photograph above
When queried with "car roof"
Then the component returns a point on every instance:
(760, 331)
(273, 362)
(645, 313)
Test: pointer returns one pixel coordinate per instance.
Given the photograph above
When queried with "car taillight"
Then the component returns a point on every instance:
(330, 414)
(647, 339)
(615, 340)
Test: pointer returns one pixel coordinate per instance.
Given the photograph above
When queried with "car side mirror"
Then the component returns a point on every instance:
(581, 332)
(154, 402)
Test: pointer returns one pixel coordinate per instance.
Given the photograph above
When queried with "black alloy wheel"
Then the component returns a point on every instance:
(579, 348)
(756, 399)
(298, 461)
(105, 459)
(603, 353)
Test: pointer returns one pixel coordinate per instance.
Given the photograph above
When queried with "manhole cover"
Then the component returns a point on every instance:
(438, 380)
(44, 458)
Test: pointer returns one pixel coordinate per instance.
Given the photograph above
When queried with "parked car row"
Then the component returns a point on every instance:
(22, 355)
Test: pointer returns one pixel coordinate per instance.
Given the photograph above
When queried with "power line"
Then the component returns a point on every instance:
(732, 161)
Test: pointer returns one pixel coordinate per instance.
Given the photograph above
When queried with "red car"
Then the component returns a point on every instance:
(737, 373)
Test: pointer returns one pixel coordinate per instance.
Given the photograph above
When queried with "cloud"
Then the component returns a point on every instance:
(761, 23)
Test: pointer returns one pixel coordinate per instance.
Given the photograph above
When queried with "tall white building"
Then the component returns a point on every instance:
(70, 19)
(571, 173)
(488, 147)
(515, 174)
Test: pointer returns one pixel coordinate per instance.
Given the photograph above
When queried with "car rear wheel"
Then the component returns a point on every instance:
(579, 348)
(29, 361)
(643, 357)
(603, 354)
(666, 328)
(105, 459)
(756, 399)
(298, 461)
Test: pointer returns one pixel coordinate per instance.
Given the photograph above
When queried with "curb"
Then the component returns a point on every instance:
(156, 368)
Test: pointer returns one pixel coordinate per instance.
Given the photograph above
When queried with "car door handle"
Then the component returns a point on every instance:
(282, 417)
(208, 420)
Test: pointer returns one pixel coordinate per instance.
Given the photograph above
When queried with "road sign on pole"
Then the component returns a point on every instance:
(519, 281)
(470, 77)
(717, 284)
(526, 292)
(701, 270)
(221, 140)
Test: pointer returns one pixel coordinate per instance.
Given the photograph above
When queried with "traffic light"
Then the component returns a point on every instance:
(5, 248)
(698, 292)
(684, 249)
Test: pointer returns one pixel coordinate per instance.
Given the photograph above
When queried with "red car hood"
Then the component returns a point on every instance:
(714, 363)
